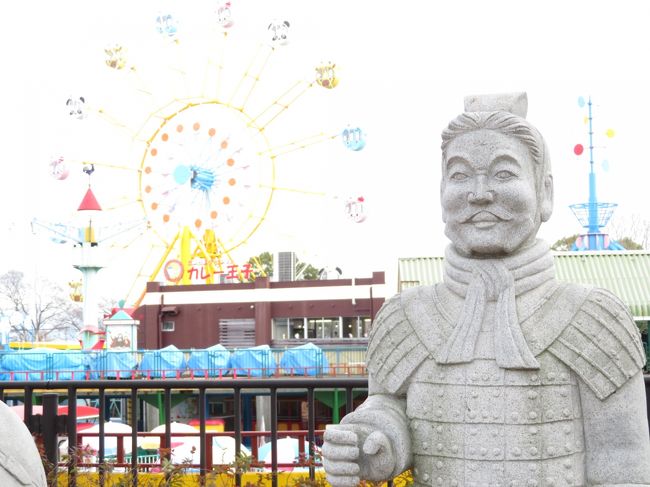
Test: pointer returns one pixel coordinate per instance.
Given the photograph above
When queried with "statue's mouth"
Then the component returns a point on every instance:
(487, 219)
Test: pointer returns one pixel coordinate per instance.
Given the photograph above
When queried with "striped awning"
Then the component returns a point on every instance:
(625, 273)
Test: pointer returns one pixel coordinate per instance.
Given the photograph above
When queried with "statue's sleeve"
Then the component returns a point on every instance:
(602, 345)
(394, 349)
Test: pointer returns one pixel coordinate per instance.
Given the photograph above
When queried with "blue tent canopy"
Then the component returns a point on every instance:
(165, 362)
(307, 359)
(253, 362)
(44, 364)
(114, 363)
(215, 360)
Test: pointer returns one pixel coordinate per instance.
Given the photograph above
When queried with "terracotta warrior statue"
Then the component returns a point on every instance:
(500, 375)
(20, 461)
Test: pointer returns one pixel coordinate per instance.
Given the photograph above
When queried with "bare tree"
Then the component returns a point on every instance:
(37, 312)
(634, 227)
(564, 243)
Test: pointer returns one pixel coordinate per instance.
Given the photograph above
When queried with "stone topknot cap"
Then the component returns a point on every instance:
(515, 103)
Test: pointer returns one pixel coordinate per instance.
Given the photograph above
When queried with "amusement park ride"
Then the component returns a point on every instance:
(593, 215)
(206, 171)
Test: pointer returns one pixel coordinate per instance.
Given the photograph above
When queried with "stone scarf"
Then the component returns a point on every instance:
(500, 280)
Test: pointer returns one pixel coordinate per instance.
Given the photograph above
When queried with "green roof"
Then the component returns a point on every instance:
(625, 273)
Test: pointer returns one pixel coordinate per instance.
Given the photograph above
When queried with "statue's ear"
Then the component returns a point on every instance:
(442, 188)
(546, 200)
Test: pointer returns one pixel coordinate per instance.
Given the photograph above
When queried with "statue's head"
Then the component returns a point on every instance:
(496, 186)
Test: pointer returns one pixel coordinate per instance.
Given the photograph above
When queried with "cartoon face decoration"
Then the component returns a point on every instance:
(326, 77)
(76, 107)
(279, 32)
(58, 169)
(327, 273)
(354, 209)
(353, 138)
(166, 25)
(115, 56)
(224, 15)
(76, 293)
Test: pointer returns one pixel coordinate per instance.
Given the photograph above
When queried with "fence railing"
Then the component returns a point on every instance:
(51, 428)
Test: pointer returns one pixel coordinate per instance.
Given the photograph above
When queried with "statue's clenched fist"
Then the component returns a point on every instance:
(352, 452)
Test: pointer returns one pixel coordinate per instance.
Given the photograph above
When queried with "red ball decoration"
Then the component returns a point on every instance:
(578, 149)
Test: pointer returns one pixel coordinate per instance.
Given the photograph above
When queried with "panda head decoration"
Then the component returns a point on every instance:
(279, 32)
(76, 107)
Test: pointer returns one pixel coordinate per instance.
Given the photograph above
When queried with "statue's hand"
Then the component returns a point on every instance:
(352, 452)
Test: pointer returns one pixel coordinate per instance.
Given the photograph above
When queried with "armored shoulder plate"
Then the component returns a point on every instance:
(406, 331)
(601, 344)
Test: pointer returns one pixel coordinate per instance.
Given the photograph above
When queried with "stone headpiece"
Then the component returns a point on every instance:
(515, 103)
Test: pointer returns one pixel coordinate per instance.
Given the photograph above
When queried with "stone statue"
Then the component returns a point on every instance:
(500, 375)
(20, 462)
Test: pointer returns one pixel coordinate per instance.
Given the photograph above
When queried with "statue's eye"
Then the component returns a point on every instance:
(458, 176)
(504, 174)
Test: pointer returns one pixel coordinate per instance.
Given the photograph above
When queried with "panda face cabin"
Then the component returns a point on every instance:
(76, 107)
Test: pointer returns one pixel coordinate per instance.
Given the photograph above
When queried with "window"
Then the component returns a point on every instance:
(288, 409)
(296, 328)
(325, 328)
(220, 407)
(364, 327)
(288, 328)
(168, 325)
(350, 327)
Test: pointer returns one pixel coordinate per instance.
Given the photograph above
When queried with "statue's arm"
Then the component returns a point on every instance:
(616, 435)
(372, 443)
(602, 345)
(386, 414)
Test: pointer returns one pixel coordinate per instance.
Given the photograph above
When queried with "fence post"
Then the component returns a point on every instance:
(49, 432)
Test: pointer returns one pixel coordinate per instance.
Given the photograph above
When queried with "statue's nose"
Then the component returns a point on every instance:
(482, 193)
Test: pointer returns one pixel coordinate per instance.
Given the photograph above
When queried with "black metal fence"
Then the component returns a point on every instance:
(49, 427)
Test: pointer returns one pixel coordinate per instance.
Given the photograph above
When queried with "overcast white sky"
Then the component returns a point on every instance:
(404, 69)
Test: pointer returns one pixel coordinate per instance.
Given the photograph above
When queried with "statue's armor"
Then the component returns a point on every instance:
(476, 424)
(479, 425)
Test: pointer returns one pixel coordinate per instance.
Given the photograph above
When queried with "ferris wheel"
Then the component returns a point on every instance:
(205, 166)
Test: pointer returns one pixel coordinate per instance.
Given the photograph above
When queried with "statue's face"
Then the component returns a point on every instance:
(489, 202)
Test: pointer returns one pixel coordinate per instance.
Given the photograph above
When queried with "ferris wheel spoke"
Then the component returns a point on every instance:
(115, 122)
(213, 72)
(280, 105)
(251, 76)
(300, 144)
